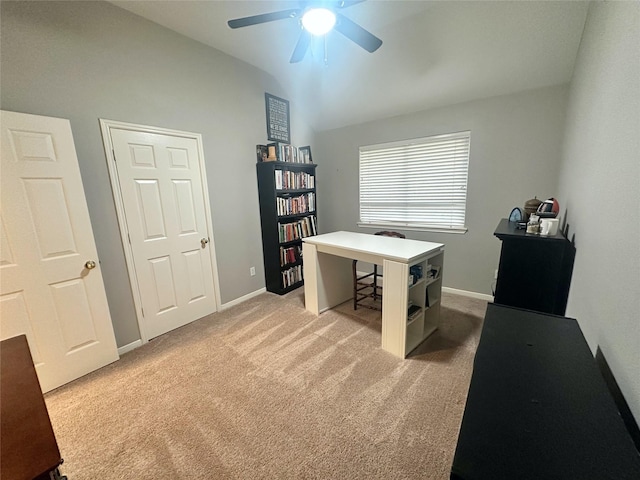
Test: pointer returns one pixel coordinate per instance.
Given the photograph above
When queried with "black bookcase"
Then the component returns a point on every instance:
(287, 194)
(535, 271)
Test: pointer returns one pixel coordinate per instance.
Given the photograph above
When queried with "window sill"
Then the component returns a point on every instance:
(413, 228)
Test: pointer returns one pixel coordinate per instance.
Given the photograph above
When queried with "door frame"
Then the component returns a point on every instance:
(105, 127)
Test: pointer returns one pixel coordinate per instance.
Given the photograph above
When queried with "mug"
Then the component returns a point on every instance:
(548, 226)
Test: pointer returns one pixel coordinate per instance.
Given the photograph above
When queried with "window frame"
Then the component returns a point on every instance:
(417, 144)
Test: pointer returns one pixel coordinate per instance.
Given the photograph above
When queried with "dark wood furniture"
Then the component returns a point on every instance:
(535, 271)
(538, 407)
(281, 275)
(28, 445)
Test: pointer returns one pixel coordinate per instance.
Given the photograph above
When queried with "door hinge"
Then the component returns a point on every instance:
(142, 311)
(129, 237)
(114, 155)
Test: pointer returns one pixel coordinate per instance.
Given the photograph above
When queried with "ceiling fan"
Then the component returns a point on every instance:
(317, 18)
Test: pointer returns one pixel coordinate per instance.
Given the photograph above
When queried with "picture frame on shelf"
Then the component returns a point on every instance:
(305, 154)
(262, 153)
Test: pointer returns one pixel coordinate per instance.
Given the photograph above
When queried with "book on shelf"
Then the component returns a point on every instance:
(284, 152)
(305, 227)
(290, 255)
(291, 276)
(295, 205)
(288, 180)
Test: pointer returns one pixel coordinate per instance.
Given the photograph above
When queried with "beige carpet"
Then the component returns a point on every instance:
(268, 390)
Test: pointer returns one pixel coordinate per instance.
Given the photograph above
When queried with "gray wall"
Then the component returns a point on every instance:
(89, 60)
(600, 186)
(516, 144)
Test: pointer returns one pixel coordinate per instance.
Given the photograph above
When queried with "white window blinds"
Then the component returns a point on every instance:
(416, 183)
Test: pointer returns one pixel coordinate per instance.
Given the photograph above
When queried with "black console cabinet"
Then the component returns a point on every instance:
(538, 407)
(535, 271)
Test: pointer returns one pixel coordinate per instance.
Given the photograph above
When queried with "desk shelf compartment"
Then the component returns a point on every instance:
(425, 293)
(287, 195)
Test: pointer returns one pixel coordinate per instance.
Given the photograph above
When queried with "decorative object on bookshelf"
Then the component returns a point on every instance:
(278, 125)
(287, 194)
(262, 153)
(272, 152)
(305, 154)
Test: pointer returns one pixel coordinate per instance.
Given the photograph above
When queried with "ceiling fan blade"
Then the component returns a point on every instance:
(301, 47)
(356, 33)
(348, 3)
(263, 18)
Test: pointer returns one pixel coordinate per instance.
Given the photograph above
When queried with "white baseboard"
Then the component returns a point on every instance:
(129, 347)
(138, 343)
(455, 291)
(465, 293)
(244, 298)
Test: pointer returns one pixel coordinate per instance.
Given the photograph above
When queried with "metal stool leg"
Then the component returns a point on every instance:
(375, 282)
(355, 284)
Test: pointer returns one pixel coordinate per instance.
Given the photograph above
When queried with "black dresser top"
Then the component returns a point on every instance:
(507, 229)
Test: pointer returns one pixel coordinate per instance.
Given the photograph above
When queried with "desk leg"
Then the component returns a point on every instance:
(311, 272)
(327, 279)
(394, 307)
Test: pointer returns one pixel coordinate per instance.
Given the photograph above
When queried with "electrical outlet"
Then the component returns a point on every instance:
(252, 271)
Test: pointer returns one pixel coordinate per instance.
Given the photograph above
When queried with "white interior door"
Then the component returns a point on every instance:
(51, 286)
(161, 184)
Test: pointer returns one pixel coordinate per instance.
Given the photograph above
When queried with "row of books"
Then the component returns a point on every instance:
(291, 276)
(290, 255)
(305, 227)
(288, 180)
(283, 152)
(293, 205)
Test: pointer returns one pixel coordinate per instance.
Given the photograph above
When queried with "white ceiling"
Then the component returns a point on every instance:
(434, 53)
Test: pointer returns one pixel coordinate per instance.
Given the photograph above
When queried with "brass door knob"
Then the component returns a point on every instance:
(203, 242)
(90, 264)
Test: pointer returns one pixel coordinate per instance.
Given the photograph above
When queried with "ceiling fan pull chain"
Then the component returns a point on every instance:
(326, 59)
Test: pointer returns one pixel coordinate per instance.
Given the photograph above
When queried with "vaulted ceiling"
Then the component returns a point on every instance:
(434, 53)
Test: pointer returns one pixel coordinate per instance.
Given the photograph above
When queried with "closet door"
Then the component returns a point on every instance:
(51, 287)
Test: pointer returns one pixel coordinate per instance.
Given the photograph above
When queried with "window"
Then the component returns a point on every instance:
(419, 184)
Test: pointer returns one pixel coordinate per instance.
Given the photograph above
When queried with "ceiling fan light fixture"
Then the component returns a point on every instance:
(318, 21)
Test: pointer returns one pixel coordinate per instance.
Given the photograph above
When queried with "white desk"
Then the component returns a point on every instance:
(328, 281)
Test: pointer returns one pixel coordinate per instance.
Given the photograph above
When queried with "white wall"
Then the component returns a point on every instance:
(516, 145)
(89, 60)
(600, 185)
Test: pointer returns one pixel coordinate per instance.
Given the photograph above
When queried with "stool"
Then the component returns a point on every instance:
(360, 287)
